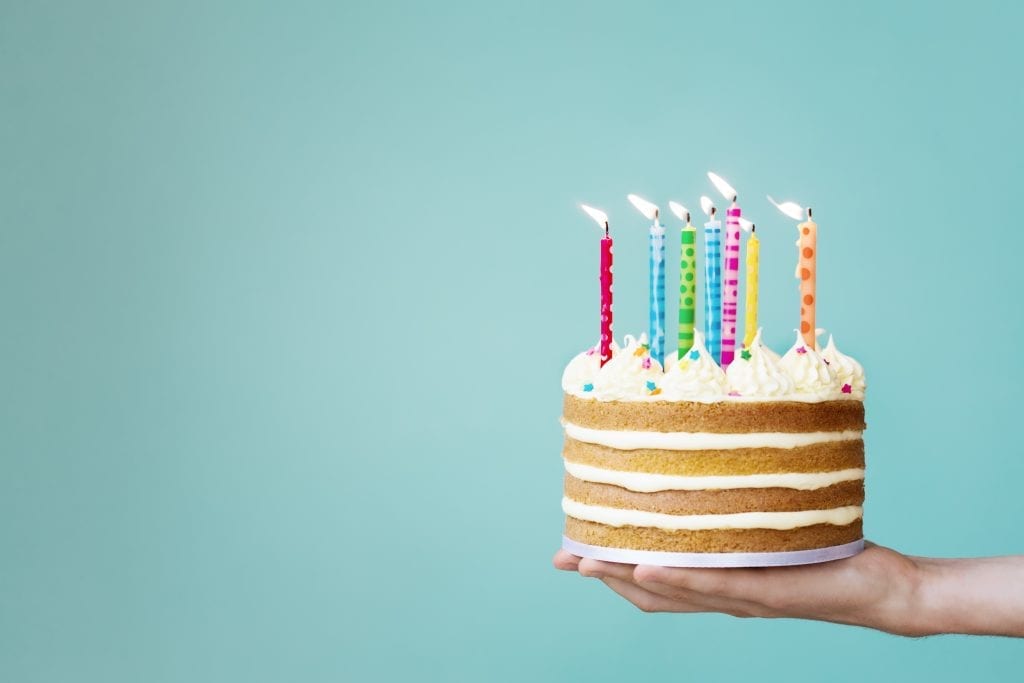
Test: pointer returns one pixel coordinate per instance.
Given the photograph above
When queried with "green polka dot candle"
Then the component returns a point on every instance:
(687, 278)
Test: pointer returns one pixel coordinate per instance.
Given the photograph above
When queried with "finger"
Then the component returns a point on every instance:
(565, 561)
(645, 600)
(600, 569)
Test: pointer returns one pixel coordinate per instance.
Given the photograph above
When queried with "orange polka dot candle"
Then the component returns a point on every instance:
(806, 266)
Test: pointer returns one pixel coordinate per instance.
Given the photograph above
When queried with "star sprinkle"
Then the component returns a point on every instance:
(588, 387)
(694, 355)
(651, 386)
(647, 363)
(744, 354)
(801, 349)
(847, 389)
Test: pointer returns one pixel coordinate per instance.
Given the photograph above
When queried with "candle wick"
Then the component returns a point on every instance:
(656, 214)
(687, 217)
(753, 228)
(809, 213)
(606, 228)
(734, 198)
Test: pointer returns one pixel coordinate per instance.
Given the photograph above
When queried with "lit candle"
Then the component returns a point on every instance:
(806, 266)
(656, 281)
(712, 280)
(731, 268)
(687, 278)
(753, 277)
(606, 282)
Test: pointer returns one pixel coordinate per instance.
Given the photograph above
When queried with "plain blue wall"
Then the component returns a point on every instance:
(287, 288)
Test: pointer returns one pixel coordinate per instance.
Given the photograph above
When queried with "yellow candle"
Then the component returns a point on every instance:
(753, 265)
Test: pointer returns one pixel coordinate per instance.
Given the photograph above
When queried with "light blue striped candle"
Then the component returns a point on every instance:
(713, 288)
(656, 327)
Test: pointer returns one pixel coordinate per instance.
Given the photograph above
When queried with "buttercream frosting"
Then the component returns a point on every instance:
(625, 440)
(755, 373)
(849, 373)
(647, 482)
(631, 373)
(618, 517)
(809, 371)
(694, 377)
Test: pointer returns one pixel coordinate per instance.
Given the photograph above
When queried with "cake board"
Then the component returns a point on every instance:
(713, 560)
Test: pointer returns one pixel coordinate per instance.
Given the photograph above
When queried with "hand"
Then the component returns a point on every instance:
(878, 588)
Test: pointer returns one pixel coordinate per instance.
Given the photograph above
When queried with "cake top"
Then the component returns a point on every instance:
(803, 374)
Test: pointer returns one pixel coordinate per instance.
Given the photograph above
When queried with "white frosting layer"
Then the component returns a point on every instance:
(696, 441)
(649, 483)
(757, 374)
(739, 520)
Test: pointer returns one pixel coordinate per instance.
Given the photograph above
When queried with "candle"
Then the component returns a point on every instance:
(806, 266)
(687, 278)
(807, 271)
(656, 280)
(606, 283)
(731, 268)
(753, 277)
(712, 280)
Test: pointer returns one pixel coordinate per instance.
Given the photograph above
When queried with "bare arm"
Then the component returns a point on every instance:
(879, 588)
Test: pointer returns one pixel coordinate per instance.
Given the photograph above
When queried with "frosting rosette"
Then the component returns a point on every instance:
(578, 377)
(695, 377)
(756, 373)
(849, 373)
(808, 370)
(630, 375)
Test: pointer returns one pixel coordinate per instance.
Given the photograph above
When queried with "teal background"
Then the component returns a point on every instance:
(287, 289)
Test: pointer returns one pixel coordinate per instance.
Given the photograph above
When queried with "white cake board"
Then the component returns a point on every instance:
(665, 559)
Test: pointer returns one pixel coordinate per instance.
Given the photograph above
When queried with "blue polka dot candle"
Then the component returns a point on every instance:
(656, 281)
(712, 280)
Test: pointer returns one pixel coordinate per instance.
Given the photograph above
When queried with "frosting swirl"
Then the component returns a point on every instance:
(631, 374)
(695, 377)
(578, 378)
(809, 371)
(755, 373)
(849, 373)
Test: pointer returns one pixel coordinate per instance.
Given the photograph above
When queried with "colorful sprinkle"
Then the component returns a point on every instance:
(734, 393)
(656, 392)
(640, 350)
(591, 351)
(826, 361)
(694, 355)
(588, 387)
(801, 349)
(847, 389)
(744, 354)
(651, 385)
(647, 363)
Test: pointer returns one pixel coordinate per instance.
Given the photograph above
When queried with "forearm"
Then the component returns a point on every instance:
(983, 596)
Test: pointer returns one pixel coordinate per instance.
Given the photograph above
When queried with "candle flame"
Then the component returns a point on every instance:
(643, 206)
(726, 190)
(681, 211)
(746, 224)
(600, 216)
(791, 209)
(707, 206)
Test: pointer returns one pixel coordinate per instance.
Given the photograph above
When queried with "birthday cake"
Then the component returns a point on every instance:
(721, 453)
(766, 457)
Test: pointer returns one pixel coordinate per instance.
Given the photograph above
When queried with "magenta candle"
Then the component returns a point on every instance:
(731, 282)
(606, 297)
